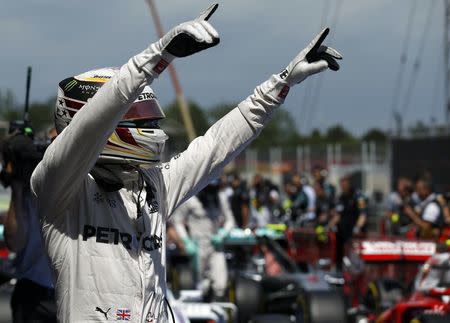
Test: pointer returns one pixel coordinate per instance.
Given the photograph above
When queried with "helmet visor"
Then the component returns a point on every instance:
(146, 109)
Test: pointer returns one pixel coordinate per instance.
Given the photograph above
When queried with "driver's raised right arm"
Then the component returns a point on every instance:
(74, 152)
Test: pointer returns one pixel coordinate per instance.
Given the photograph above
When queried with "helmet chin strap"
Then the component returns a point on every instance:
(113, 177)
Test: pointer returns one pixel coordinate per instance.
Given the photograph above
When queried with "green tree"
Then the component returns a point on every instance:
(41, 114)
(420, 129)
(8, 106)
(315, 138)
(375, 134)
(338, 133)
(174, 126)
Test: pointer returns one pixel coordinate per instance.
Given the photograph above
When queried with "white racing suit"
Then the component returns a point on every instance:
(108, 265)
(203, 223)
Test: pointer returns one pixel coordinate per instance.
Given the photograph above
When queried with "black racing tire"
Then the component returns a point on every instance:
(248, 297)
(322, 307)
(272, 318)
(383, 294)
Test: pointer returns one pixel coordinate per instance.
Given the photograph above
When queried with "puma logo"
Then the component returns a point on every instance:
(98, 309)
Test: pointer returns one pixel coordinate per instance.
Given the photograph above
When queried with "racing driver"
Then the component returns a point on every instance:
(103, 195)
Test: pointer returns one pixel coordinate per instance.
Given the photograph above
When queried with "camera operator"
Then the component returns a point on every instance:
(428, 215)
(33, 296)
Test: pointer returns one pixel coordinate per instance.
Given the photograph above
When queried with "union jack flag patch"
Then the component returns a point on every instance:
(123, 314)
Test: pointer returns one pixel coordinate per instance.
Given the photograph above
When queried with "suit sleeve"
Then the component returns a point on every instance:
(186, 174)
(68, 160)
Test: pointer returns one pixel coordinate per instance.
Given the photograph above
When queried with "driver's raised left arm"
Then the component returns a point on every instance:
(186, 174)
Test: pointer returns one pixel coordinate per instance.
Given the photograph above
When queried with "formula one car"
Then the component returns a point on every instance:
(430, 299)
(268, 286)
(379, 271)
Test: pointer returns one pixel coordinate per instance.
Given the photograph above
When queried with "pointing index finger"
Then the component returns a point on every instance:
(319, 39)
(315, 44)
(205, 15)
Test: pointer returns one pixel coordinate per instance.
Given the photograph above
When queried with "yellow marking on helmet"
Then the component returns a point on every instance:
(114, 138)
(126, 148)
(97, 79)
(115, 149)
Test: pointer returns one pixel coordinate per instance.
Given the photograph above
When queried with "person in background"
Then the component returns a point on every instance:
(428, 216)
(197, 221)
(33, 299)
(304, 203)
(225, 186)
(265, 202)
(289, 192)
(399, 222)
(444, 200)
(350, 219)
(259, 210)
(320, 175)
(174, 237)
(240, 201)
(325, 207)
(274, 204)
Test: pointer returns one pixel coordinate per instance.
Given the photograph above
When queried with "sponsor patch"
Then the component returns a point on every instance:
(146, 96)
(115, 236)
(88, 88)
(69, 86)
(284, 92)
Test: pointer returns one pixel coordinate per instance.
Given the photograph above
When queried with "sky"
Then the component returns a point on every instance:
(258, 38)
